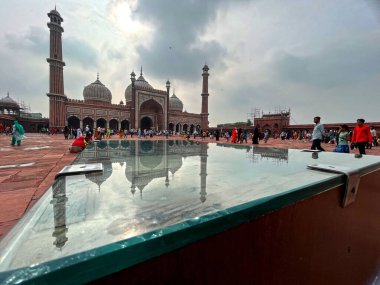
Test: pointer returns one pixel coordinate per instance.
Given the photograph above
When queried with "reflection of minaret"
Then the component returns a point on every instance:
(166, 156)
(203, 173)
(59, 208)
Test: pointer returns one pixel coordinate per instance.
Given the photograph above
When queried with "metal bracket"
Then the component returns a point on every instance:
(352, 180)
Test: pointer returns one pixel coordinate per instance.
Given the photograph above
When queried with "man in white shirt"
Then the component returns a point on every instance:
(318, 134)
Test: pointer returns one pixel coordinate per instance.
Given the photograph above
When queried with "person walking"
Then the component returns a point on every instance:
(374, 136)
(343, 140)
(18, 133)
(361, 136)
(256, 136)
(318, 133)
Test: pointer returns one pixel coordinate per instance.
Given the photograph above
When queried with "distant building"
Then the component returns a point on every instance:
(10, 111)
(145, 107)
(275, 122)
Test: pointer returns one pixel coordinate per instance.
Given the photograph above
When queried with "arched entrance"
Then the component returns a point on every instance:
(178, 128)
(171, 127)
(185, 127)
(153, 110)
(146, 123)
(88, 121)
(101, 123)
(192, 128)
(73, 122)
(114, 125)
(125, 125)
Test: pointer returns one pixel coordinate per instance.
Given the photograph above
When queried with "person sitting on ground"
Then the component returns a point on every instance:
(80, 144)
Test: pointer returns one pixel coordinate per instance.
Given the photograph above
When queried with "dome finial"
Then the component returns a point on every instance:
(174, 90)
(141, 71)
(97, 75)
(8, 94)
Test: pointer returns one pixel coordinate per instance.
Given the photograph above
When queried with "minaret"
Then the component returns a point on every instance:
(204, 113)
(167, 105)
(57, 97)
(133, 111)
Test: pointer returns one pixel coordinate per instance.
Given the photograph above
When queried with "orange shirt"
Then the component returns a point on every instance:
(362, 134)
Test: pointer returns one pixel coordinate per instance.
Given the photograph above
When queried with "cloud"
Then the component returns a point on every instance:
(337, 64)
(176, 48)
(79, 51)
(36, 41)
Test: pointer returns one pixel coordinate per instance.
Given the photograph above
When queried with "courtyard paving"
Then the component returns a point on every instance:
(27, 171)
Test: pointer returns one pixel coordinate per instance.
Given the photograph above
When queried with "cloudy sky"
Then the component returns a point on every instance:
(316, 57)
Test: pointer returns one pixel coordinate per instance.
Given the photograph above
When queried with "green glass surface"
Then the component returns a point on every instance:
(171, 192)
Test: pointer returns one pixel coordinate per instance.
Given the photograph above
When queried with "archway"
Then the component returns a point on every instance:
(191, 128)
(185, 126)
(178, 128)
(88, 121)
(146, 123)
(275, 126)
(114, 125)
(125, 125)
(73, 122)
(101, 123)
(171, 127)
(151, 108)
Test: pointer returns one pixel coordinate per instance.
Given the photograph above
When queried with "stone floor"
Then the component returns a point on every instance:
(27, 171)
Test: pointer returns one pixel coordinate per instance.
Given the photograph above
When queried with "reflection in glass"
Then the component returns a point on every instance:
(147, 187)
(58, 201)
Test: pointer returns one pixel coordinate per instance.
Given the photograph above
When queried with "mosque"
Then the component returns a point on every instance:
(145, 107)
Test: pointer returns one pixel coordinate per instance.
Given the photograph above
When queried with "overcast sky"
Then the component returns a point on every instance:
(316, 57)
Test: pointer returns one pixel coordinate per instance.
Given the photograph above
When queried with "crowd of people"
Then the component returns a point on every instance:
(361, 137)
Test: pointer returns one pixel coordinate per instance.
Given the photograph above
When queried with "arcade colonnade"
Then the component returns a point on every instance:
(116, 124)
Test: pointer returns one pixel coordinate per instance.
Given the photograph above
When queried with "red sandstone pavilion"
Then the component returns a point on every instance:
(145, 107)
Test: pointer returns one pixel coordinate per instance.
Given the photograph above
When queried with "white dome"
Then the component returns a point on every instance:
(9, 102)
(140, 82)
(97, 91)
(175, 104)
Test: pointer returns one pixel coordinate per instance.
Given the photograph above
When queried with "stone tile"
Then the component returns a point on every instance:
(14, 203)
(6, 227)
(4, 178)
(16, 185)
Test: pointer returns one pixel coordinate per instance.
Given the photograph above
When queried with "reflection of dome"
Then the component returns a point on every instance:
(8, 102)
(140, 82)
(99, 178)
(97, 91)
(174, 162)
(150, 161)
(175, 104)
